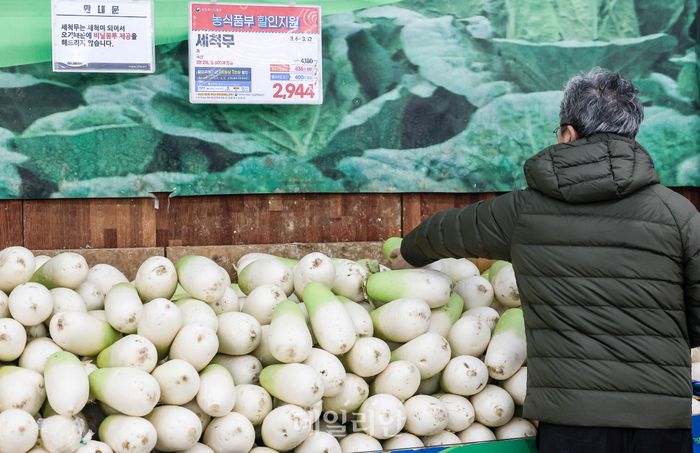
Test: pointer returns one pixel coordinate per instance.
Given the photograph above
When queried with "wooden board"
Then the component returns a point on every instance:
(11, 223)
(126, 260)
(418, 207)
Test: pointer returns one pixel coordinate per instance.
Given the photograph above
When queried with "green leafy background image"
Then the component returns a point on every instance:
(419, 96)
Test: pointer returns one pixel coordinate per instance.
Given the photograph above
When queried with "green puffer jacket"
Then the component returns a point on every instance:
(608, 267)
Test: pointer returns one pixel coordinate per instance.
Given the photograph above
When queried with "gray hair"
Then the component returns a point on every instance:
(601, 101)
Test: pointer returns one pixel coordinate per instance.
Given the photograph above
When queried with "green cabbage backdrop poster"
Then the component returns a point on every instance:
(420, 96)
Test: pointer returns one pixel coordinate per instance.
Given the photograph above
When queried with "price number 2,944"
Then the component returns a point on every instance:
(293, 90)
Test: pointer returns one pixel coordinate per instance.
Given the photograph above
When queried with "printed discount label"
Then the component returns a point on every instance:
(255, 54)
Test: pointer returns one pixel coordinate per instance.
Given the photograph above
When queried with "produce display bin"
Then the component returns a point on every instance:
(525, 445)
(696, 434)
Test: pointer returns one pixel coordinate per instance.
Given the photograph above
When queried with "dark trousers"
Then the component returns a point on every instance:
(578, 439)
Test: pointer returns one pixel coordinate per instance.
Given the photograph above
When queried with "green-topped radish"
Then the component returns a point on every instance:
(350, 279)
(13, 339)
(353, 393)
(202, 278)
(516, 428)
(382, 416)
(123, 307)
(239, 333)
(401, 320)
(429, 352)
(17, 265)
(248, 258)
(289, 337)
(460, 412)
(178, 381)
(430, 386)
(65, 299)
(493, 406)
(464, 375)
(359, 442)
(18, 431)
(516, 386)
(442, 318)
(455, 268)
(360, 317)
(197, 312)
(368, 357)
(61, 434)
(30, 303)
(319, 441)
(133, 351)
(507, 351)
(425, 415)
(293, 383)
(21, 389)
(36, 353)
(195, 343)
(156, 278)
(217, 391)
(66, 382)
(177, 428)
(253, 402)
(403, 441)
(160, 322)
(476, 291)
(330, 368)
(469, 336)
(505, 287)
(286, 427)
(431, 286)
(488, 315)
(245, 369)
(266, 271)
(476, 432)
(81, 333)
(262, 301)
(128, 434)
(314, 267)
(131, 391)
(400, 379)
(332, 325)
(230, 433)
(391, 248)
(65, 270)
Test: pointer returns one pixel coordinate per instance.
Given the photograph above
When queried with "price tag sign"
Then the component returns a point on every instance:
(103, 36)
(255, 54)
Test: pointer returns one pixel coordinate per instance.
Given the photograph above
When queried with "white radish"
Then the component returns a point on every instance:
(232, 433)
(487, 315)
(126, 434)
(516, 428)
(65, 299)
(505, 287)
(442, 319)
(202, 278)
(81, 333)
(177, 428)
(360, 317)
(456, 268)
(430, 386)
(13, 339)
(204, 418)
(65, 270)
(195, 343)
(465, 375)
(156, 278)
(319, 441)
(89, 293)
(400, 379)
(199, 448)
(425, 415)
(331, 323)
(253, 402)
(61, 434)
(460, 412)
(352, 394)
(21, 389)
(430, 352)
(99, 314)
(67, 384)
(36, 353)
(403, 441)
(441, 438)
(178, 381)
(469, 336)
(245, 369)
(431, 286)
(359, 442)
(103, 277)
(350, 279)
(516, 386)
(330, 368)
(197, 312)
(251, 257)
(261, 302)
(239, 333)
(17, 266)
(160, 322)
(94, 446)
(694, 353)
(289, 337)
(266, 271)
(262, 352)
(286, 427)
(382, 416)
(476, 433)
(368, 357)
(40, 260)
(130, 391)
(18, 431)
(314, 267)
(401, 320)
(217, 392)
(123, 307)
(476, 291)
(230, 301)
(30, 303)
(131, 351)
(493, 406)
(293, 383)
(507, 351)
(4, 305)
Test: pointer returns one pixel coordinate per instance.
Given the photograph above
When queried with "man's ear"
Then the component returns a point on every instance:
(568, 134)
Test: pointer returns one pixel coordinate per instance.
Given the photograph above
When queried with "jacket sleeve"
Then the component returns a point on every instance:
(480, 230)
(691, 276)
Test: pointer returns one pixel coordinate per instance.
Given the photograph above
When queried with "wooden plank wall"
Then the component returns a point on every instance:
(223, 220)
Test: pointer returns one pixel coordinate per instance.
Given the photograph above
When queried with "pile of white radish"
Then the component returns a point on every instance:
(312, 355)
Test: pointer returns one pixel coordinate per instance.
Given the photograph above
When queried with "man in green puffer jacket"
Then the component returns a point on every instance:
(608, 268)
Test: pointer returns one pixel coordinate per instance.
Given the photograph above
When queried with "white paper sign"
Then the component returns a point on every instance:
(103, 36)
(255, 54)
